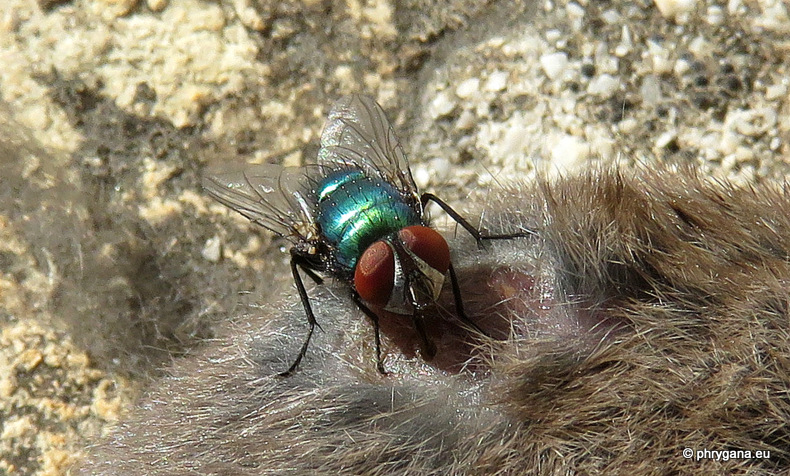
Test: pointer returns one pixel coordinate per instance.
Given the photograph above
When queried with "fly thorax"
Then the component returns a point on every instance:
(355, 210)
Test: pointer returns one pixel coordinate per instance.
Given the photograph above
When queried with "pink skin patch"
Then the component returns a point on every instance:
(504, 303)
(490, 303)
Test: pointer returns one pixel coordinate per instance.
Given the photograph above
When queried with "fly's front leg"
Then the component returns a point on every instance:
(428, 348)
(459, 303)
(479, 237)
(374, 318)
(296, 263)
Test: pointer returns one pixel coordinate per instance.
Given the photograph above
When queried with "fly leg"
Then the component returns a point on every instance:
(296, 263)
(428, 348)
(375, 320)
(459, 303)
(479, 237)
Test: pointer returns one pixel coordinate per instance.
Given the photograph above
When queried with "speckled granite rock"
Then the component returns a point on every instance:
(113, 109)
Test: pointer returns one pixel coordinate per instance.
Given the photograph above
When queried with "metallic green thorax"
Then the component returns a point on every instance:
(355, 210)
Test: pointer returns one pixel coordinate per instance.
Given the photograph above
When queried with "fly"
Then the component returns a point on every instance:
(355, 215)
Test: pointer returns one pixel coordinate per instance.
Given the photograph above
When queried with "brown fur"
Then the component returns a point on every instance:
(673, 297)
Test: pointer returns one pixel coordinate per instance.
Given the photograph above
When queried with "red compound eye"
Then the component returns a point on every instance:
(428, 245)
(374, 275)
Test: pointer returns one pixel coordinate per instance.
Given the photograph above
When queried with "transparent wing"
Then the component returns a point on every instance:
(358, 134)
(272, 196)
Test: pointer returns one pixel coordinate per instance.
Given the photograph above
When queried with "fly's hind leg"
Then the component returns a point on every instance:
(296, 263)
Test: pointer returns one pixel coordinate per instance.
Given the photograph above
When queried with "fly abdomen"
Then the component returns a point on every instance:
(355, 210)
